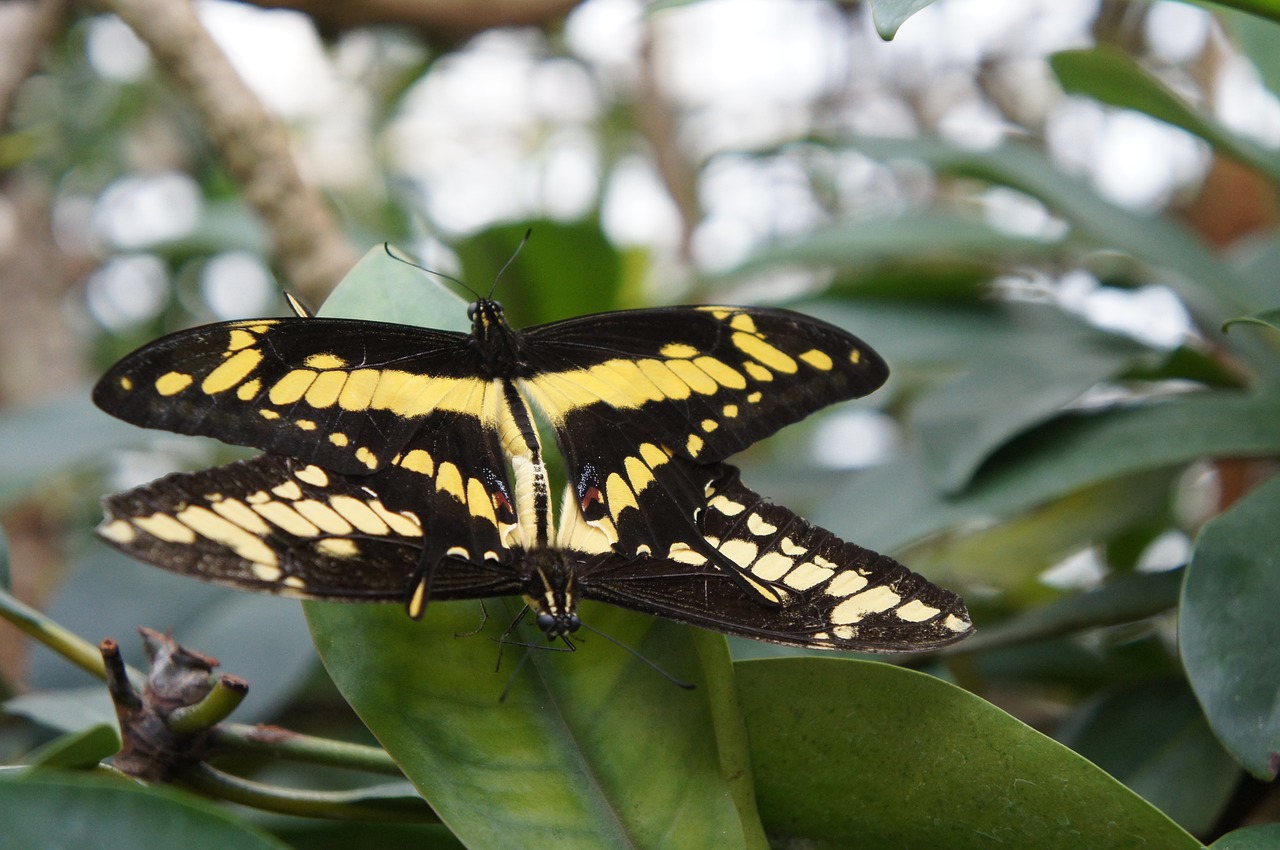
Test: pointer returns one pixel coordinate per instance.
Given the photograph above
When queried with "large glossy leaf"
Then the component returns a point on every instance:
(589, 749)
(1228, 630)
(1112, 77)
(891, 14)
(1154, 738)
(898, 503)
(56, 810)
(1264, 837)
(857, 753)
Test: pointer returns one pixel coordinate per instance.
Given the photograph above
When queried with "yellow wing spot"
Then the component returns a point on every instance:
(858, 606)
(418, 599)
(294, 582)
(324, 361)
(126, 383)
(619, 495)
(693, 445)
(249, 390)
(358, 392)
(638, 473)
(231, 371)
(758, 526)
(790, 547)
(678, 351)
(165, 528)
(916, 611)
(258, 498)
(118, 531)
(367, 457)
(693, 375)
(221, 530)
(720, 313)
(722, 373)
(313, 475)
(727, 506)
(172, 383)
(479, 503)
(845, 584)
(339, 439)
(652, 455)
(359, 514)
(449, 480)
(743, 322)
(305, 424)
(240, 339)
(806, 575)
(755, 397)
(668, 383)
(268, 413)
(292, 386)
(260, 328)
(404, 523)
(322, 516)
(238, 512)
(758, 349)
(420, 461)
(855, 356)
(684, 554)
(730, 411)
(339, 547)
(772, 566)
(818, 359)
(957, 624)
(458, 552)
(709, 425)
(757, 371)
(324, 390)
(844, 632)
(288, 490)
(741, 552)
(266, 572)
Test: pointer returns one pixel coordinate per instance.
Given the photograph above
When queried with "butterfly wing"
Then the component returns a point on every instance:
(792, 583)
(279, 525)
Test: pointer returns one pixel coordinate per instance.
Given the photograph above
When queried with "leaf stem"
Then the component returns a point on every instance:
(382, 803)
(274, 741)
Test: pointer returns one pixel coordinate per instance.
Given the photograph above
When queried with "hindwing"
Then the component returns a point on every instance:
(791, 583)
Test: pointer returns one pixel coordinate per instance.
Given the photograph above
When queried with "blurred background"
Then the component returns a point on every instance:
(1041, 212)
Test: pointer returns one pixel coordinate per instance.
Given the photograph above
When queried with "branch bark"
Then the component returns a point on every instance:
(310, 248)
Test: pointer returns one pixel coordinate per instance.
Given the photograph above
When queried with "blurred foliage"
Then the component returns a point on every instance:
(1028, 439)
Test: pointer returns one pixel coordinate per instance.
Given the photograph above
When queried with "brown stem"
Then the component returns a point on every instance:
(311, 250)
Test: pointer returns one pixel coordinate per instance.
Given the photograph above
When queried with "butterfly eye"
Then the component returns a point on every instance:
(546, 622)
(575, 622)
(472, 309)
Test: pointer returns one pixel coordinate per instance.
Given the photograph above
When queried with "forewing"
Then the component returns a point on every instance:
(794, 583)
(348, 395)
(704, 381)
(279, 525)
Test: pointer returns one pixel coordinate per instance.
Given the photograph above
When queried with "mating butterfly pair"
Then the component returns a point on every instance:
(404, 463)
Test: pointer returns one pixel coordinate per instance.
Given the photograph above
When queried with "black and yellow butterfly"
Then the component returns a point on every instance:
(426, 423)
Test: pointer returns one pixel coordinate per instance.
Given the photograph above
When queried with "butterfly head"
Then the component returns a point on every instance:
(550, 592)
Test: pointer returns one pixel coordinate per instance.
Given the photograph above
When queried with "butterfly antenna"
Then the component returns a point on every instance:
(688, 686)
(511, 680)
(386, 246)
(525, 241)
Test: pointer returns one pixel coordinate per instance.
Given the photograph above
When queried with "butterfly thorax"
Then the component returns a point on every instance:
(549, 591)
(498, 344)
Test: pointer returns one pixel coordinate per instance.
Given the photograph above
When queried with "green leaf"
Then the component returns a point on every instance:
(1154, 738)
(858, 753)
(1262, 8)
(1266, 318)
(81, 749)
(864, 250)
(898, 503)
(1264, 837)
(70, 710)
(589, 749)
(51, 810)
(891, 14)
(1228, 630)
(1106, 74)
